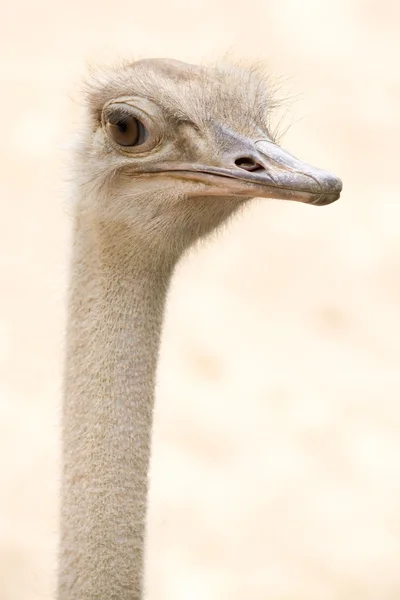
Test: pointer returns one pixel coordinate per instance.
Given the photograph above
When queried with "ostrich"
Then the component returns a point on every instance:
(169, 152)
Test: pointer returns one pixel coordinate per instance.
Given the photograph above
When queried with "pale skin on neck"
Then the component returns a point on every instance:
(107, 418)
(201, 154)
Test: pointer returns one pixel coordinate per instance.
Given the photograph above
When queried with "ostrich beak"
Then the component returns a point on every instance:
(293, 179)
(260, 169)
(265, 170)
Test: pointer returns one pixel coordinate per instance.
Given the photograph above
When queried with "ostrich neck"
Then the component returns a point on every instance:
(115, 316)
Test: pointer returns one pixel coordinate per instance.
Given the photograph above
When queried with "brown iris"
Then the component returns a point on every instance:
(125, 130)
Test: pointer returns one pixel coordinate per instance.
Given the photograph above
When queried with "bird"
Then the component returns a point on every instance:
(166, 154)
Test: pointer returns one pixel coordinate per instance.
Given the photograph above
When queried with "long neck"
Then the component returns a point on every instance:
(116, 308)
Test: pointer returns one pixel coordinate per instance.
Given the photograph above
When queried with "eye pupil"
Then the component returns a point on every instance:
(122, 126)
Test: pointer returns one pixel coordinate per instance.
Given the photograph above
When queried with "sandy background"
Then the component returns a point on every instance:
(277, 453)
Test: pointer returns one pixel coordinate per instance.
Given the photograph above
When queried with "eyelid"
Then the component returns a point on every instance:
(122, 111)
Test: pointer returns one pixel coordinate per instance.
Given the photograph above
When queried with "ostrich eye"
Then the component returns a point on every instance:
(126, 130)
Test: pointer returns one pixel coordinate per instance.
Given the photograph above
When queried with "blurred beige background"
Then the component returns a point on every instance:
(276, 468)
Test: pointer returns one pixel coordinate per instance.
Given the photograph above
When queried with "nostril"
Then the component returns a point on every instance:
(248, 164)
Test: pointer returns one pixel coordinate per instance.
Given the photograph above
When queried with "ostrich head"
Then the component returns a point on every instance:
(171, 150)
